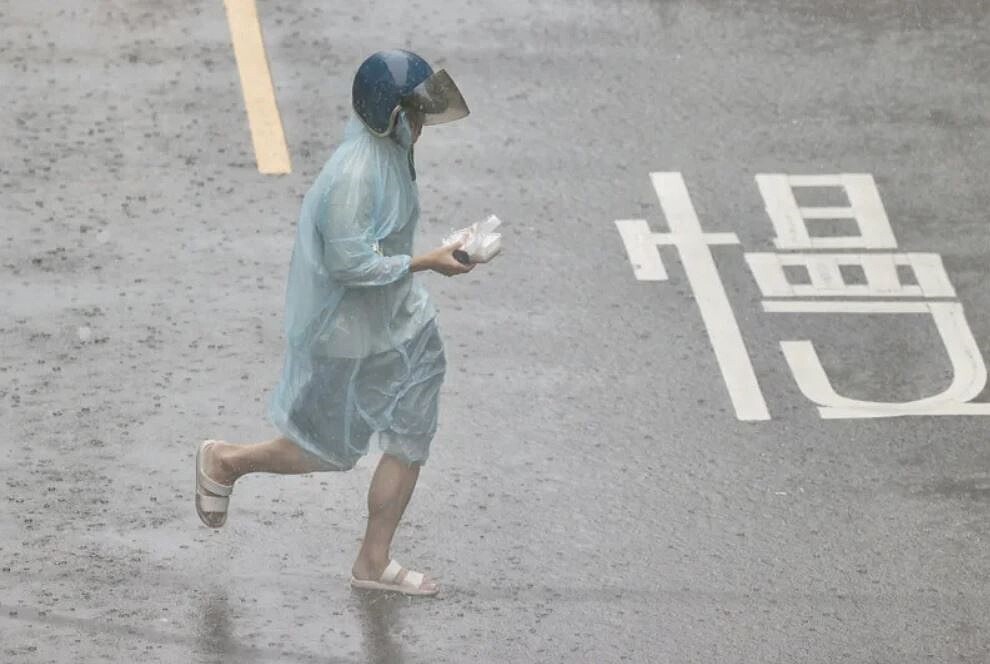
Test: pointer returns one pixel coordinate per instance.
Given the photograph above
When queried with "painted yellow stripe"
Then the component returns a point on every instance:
(270, 149)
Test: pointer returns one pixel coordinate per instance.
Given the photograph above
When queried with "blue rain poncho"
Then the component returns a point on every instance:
(363, 350)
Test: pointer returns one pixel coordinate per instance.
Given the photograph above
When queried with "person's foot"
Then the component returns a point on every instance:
(368, 574)
(214, 483)
(216, 463)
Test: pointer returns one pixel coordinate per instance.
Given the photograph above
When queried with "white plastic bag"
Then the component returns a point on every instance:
(480, 241)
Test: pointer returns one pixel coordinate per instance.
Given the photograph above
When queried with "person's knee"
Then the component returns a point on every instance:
(409, 449)
(320, 463)
(403, 460)
(341, 467)
(338, 465)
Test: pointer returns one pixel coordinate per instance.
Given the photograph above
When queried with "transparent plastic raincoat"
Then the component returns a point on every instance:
(363, 350)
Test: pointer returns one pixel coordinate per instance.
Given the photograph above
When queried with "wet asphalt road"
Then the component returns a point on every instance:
(591, 495)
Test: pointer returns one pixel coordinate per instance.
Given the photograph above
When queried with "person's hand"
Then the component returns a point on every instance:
(442, 260)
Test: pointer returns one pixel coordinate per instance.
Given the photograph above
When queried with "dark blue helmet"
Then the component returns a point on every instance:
(389, 81)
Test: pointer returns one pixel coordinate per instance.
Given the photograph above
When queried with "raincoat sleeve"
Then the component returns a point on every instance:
(346, 226)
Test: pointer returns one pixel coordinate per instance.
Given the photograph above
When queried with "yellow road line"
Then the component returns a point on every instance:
(270, 149)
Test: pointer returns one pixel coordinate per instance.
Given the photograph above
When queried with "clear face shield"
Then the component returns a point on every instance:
(437, 100)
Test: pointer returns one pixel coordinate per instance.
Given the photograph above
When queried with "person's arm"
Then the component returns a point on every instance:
(418, 264)
(348, 253)
(348, 243)
(441, 260)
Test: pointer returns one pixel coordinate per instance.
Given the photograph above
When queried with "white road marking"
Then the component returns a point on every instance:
(865, 208)
(826, 276)
(642, 249)
(969, 369)
(882, 280)
(843, 307)
(699, 266)
(931, 275)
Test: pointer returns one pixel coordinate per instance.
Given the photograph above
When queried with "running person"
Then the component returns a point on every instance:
(364, 354)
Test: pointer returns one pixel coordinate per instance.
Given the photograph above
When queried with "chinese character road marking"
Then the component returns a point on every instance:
(699, 265)
(881, 274)
(865, 208)
(824, 271)
(270, 150)
(968, 367)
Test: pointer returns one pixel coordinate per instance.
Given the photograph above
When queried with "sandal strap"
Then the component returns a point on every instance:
(205, 481)
(213, 503)
(213, 486)
(391, 572)
(413, 579)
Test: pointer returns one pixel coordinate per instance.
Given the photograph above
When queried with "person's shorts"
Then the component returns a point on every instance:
(331, 407)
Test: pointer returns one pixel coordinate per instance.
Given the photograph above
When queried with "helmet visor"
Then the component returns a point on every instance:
(437, 99)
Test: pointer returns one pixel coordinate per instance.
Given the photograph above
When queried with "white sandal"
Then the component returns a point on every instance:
(410, 584)
(212, 509)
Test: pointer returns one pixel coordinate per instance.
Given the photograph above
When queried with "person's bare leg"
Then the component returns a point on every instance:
(391, 488)
(225, 462)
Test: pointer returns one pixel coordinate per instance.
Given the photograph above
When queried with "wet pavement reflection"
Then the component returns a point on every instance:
(214, 632)
(214, 629)
(379, 615)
